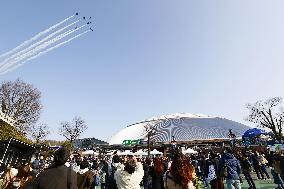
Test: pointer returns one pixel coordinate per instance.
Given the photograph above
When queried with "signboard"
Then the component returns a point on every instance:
(132, 142)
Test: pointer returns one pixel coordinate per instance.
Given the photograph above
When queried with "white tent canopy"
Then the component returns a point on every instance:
(140, 153)
(125, 153)
(190, 151)
(90, 152)
(156, 152)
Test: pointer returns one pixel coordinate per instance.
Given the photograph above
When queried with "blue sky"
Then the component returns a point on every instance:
(149, 58)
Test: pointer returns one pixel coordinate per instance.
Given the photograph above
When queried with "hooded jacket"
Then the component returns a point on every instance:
(124, 180)
(233, 166)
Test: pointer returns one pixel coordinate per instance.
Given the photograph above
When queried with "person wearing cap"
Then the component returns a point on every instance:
(58, 176)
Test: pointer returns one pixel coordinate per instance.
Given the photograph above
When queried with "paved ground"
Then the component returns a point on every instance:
(260, 184)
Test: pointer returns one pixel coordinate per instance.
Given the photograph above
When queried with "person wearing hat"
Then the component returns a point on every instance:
(58, 176)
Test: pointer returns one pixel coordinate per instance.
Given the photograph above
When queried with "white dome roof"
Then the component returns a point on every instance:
(183, 126)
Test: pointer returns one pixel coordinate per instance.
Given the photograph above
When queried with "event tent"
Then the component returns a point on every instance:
(156, 152)
(90, 152)
(254, 132)
(125, 153)
(140, 153)
(189, 151)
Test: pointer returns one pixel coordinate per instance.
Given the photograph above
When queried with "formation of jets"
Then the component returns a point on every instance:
(84, 18)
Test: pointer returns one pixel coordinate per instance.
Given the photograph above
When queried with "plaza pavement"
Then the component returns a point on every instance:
(260, 184)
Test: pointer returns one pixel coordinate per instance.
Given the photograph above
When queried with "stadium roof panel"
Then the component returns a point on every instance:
(183, 126)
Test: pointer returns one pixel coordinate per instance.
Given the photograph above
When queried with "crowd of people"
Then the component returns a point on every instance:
(177, 171)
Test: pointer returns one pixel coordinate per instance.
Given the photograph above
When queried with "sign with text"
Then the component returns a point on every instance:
(132, 142)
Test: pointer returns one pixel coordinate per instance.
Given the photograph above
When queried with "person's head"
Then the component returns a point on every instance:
(61, 156)
(130, 166)
(181, 170)
(25, 171)
(84, 165)
(229, 150)
(116, 159)
(148, 161)
(213, 155)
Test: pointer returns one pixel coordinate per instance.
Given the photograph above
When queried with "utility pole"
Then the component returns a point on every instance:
(149, 135)
(149, 143)
(150, 129)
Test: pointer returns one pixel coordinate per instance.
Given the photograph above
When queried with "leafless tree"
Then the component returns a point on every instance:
(39, 132)
(151, 131)
(21, 102)
(266, 115)
(72, 130)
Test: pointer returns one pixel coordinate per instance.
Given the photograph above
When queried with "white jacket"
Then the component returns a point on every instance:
(124, 180)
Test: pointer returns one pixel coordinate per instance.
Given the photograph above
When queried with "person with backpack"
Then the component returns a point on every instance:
(103, 174)
(110, 180)
(215, 180)
(230, 168)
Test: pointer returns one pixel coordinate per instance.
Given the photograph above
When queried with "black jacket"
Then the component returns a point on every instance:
(56, 178)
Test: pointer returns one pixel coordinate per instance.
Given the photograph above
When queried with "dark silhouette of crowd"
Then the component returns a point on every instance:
(214, 170)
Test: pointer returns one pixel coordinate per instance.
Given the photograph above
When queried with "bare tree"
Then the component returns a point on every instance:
(151, 131)
(265, 114)
(21, 102)
(72, 130)
(39, 132)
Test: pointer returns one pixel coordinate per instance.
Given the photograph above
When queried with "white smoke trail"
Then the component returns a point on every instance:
(43, 52)
(37, 43)
(38, 48)
(35, 37)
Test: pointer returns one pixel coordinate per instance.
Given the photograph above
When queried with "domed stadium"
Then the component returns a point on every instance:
(183, 126)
